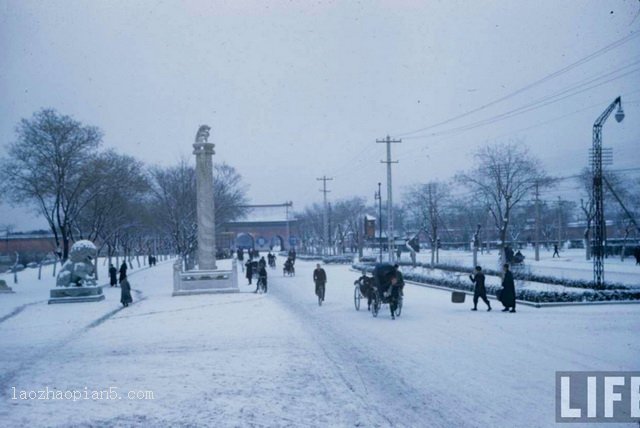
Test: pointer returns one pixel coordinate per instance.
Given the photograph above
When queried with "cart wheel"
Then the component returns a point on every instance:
(356, 297)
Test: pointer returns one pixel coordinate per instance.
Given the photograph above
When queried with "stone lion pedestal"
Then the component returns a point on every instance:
(76, 281)
(4, 288)
(186, 283)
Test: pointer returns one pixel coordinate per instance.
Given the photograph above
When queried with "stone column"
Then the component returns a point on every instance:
(205, 205)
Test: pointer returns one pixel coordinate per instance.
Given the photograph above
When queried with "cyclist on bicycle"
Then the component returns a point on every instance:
(262, 279)
(320, 279)
(396, 290)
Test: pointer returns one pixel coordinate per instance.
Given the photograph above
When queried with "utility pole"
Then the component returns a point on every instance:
(378, 196)
(559, 222)
(537, 244)
(325, 224)
(390, 236)
(286, 210)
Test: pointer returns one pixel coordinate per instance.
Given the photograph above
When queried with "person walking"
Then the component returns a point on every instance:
(320, 279)
(249, 270)
(508, 296)
(123, 272)
(125, 292)
(555, 251)
(479, 290)
(113, 272)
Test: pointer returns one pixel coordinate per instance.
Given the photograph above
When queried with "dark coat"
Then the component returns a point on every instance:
(249, 270)
(508, 297)
(478, 280)
(123, 271)
(113, 272)
(319, 275)
(125, 292)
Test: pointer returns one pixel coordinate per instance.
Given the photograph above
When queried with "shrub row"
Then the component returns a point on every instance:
(524, 294)
(528, 276)
(338, 259)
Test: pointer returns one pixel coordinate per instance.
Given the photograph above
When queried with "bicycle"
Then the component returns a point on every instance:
(320, 288)
(262, 285)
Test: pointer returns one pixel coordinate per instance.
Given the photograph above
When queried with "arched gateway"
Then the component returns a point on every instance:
(265, 227)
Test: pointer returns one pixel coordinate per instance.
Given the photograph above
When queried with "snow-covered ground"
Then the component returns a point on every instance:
(281, 360)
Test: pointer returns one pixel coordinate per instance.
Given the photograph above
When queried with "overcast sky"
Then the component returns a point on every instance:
(294, 90)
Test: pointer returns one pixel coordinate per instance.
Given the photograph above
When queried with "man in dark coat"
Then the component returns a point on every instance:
(395, 290)
(125, 292)
(113, 280)
(508, 297)
(249, 270)
(320, 279)
(479, 290)
(123, 271)
(636, 254)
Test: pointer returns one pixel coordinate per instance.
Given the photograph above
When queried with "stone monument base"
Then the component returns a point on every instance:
(204, 281)
(4, 288)
(75, 294)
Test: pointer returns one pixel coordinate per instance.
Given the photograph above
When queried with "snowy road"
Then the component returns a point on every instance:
(280, 360)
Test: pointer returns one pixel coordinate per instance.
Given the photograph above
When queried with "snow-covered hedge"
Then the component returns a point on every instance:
(526, 295)
(368, 259)
(299, 256)
(338, 259)
(529, 276)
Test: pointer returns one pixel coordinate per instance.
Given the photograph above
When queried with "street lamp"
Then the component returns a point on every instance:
(599, 224)
(378, 197)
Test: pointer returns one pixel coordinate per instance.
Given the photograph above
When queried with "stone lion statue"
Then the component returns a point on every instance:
(78, 270)
(202, 136)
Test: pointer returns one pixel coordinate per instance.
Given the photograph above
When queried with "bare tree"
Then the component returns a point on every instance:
(504, 176)
(50, 165)
(310, 227)
(426, 203)
(230, 194)
(123, 189)
(348, 217)
(174, 205)
(174, 202)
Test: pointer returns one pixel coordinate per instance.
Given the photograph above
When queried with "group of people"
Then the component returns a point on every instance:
(125, 287)
(506, 296)
(257, 268)
(511, 257)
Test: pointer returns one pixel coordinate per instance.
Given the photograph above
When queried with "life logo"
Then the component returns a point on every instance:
(598, 397)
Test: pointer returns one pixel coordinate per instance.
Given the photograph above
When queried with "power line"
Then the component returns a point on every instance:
(542, 102)
(531, 85)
